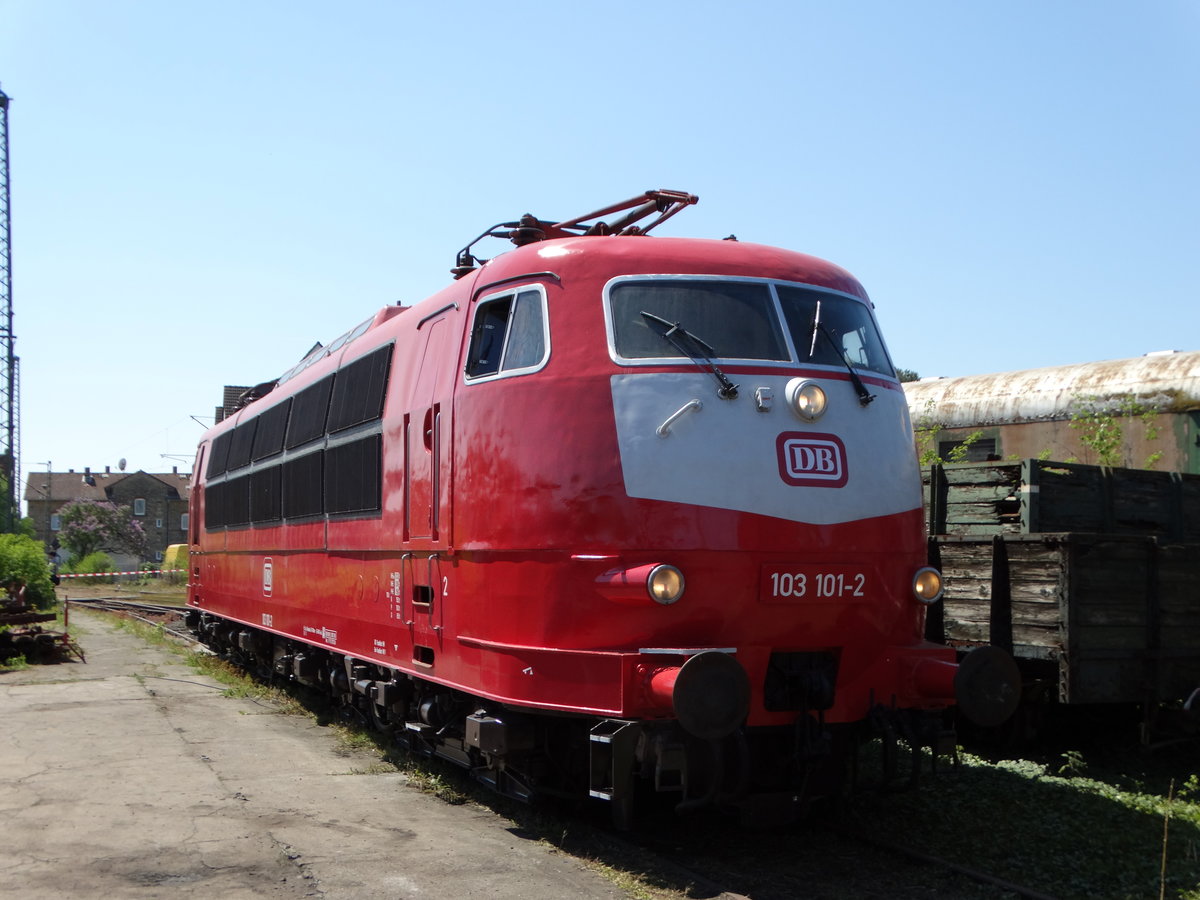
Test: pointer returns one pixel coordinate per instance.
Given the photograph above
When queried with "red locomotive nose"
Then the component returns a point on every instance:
(710, 694)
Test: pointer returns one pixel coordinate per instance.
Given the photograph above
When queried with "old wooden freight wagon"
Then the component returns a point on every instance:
(1089, 576)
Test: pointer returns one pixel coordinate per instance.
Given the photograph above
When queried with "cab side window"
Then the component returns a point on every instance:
(509, 335)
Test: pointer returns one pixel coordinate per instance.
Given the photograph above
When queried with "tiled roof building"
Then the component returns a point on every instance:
(159, 501)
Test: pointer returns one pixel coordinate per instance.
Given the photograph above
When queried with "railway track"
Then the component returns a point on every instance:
(165, 616)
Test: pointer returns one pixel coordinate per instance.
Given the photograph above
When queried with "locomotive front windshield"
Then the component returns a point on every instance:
(746, 320)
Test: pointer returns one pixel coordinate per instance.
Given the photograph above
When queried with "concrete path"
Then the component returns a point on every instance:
(130, 776)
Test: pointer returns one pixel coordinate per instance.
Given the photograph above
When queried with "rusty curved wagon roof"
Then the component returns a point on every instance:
(1165, 382)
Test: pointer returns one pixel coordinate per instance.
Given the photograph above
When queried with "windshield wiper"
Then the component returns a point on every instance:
(864, 396)
(701, 354)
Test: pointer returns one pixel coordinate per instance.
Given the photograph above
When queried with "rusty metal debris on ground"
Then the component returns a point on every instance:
(22, 633)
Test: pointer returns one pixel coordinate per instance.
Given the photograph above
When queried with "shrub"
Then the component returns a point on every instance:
(24, 559)
(97, 561)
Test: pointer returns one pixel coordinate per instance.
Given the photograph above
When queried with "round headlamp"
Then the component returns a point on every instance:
(927, 585)
(806, 398)
(665, 584)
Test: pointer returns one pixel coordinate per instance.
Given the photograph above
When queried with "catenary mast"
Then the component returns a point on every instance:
(10, 452)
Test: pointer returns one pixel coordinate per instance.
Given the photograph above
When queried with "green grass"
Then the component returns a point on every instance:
(14, 664)
(1046, 826)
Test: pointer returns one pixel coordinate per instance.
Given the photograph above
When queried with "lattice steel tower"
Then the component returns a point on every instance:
(10, 444)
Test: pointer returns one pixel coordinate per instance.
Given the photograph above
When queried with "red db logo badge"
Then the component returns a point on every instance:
(811, 460)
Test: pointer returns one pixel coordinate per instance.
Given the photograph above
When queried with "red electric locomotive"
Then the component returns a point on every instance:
(608, 513)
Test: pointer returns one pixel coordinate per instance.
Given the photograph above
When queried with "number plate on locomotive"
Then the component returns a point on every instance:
(813, 584)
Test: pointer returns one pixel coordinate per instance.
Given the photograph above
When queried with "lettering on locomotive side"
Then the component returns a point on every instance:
(812, 459)
(328, 635)
(394, 596)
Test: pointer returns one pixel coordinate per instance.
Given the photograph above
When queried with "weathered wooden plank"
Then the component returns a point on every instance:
(983, 473)
(1089, 641)
(1070, 497)
(1106, 615)
(1030, 591)
(984, 492)
(1040, 614)
(1036, 624)
(1143, 501)
(972, 513)
(1182, 636)
(967, 631)
(1029, 636)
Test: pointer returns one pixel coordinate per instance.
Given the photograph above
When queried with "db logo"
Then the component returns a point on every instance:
(811, 460)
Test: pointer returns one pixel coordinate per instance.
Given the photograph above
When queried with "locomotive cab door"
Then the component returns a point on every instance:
(427, 433)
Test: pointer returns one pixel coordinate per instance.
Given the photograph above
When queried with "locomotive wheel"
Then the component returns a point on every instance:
(381, 720)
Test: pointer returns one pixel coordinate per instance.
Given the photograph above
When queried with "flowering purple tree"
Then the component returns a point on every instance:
(89, 525)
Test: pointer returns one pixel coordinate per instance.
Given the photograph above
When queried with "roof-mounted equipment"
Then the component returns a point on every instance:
(529, 229)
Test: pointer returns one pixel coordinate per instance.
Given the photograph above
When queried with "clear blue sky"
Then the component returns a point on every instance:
(200, 191)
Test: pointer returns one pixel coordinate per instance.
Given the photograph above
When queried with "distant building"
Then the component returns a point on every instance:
(230, 401)
(158, 500)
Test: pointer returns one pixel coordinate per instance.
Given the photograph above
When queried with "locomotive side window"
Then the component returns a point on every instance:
(352, 476)
(266, 498)
(217, 462)
(359, 390)
(272, 425)
(243, 441)
(526, 343)
(236, 501)
(510, 335)
(736, 318)
(214, 507)
(302, 484)
(309, 409)
(825, 328)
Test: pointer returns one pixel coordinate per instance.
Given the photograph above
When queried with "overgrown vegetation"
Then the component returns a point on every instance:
(97, 561)
(13, 663)
(926, 429)
(24, 559)
(1104, 423)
